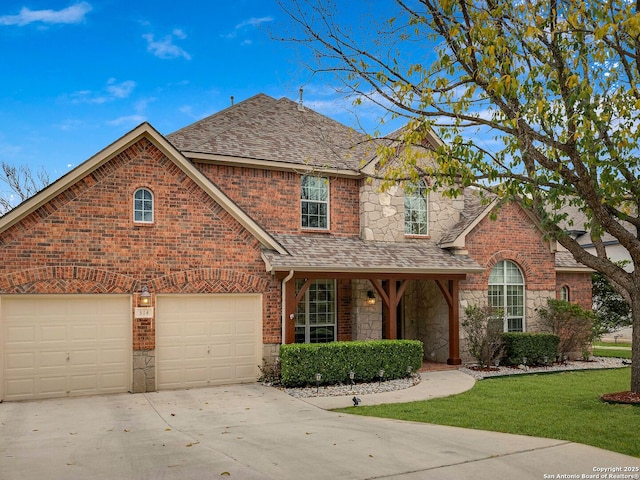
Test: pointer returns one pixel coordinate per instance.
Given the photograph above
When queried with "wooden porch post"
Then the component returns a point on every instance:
(454, 325)
(390, 326)
(290, 312)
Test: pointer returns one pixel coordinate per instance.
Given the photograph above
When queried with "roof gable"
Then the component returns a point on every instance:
(145, 130)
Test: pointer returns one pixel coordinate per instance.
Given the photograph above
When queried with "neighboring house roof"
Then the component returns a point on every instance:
(566, 263)
(265, 129)
(144, 130)
(324, 253)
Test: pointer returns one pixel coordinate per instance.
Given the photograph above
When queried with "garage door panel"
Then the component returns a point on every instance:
(84, 333)
(222, 328)
(47, 387)
(55, 359)
(17, 334)
(52, 334)
(213, 325)
(65, 345)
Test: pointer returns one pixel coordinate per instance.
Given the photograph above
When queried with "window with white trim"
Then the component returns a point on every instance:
(564, 293)
(143, 206)
(316, 312)
(506, 292)
(416, 209)
(315, 202)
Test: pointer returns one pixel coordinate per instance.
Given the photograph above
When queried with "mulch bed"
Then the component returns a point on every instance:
(622, 397)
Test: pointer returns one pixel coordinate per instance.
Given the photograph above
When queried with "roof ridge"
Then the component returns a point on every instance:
(208, 120)
(219, 112)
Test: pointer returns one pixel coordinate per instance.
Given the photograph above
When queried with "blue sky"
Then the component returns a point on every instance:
(77, 75)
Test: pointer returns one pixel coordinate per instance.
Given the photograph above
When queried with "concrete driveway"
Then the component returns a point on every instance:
(257, 432)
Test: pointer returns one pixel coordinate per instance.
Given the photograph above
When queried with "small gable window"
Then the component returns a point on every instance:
(564, 293)
(416, 209)
(315, 202)
(143, 206)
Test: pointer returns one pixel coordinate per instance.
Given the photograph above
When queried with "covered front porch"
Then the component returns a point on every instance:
(382, 270)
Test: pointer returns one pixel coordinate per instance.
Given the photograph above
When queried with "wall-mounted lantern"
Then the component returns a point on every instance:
(145, 297)
(371, 298)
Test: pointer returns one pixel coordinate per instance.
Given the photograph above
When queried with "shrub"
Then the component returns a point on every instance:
(572, 323)
(300, 362)
(535, 347)
(483, 327)
(270, 372)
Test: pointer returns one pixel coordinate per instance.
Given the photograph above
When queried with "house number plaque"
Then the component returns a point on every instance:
(144, 312)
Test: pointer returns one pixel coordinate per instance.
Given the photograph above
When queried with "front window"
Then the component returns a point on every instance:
(315, 202)
(564, 293)
(416, 209)
(316, 312)
(506, 292)
(143, 206)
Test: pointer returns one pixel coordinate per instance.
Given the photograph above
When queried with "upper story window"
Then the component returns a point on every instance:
(506, 292)
(416, 209)
(564, 293)
(315, 202)
(143, 206)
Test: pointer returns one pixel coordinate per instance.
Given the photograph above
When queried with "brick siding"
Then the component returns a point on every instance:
(272, 197)
(511, 236)
(85, 241)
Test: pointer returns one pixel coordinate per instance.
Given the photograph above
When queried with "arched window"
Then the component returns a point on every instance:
(506, 292)
(416, 209)
(564, 293)
(143, 206)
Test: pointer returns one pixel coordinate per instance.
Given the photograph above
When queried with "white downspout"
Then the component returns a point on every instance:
(284, 305)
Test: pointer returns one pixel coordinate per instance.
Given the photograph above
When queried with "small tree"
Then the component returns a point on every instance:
(483, 326)
(22, 183)
(570, 322)
(612, 310)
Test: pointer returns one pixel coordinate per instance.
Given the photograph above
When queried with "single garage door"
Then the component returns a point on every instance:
(62, 345)
(207, 339)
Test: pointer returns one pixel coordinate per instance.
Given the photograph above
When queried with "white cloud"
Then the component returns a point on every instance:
(249, 23)
(253, 22)
(165, 48)
(120, 90)
(127, 119)
(73, 14)
(112, 91)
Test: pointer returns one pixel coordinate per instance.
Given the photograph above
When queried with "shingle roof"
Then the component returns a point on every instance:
(565, 261)
(473, 207)
(330, 253)
(264, 128)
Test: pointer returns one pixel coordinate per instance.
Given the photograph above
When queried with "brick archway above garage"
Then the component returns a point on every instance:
(66, 279)
(211, 280)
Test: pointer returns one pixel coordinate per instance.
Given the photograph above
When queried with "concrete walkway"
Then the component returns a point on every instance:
(257, 432)
(432, 385)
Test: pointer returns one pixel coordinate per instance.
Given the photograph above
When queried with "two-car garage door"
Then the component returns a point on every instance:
(62, 345)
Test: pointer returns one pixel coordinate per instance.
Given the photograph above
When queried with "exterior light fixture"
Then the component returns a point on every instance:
(380, 375)
(371, 298)
(352, 375)
(318, 378)
(145, 297)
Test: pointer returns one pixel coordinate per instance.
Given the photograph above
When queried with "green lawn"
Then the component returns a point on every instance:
(622, 350)
(602, 352)
(612, 344)
(563, 405)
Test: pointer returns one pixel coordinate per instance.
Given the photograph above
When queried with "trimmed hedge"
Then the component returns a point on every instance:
(301, 361)
(533, 346)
